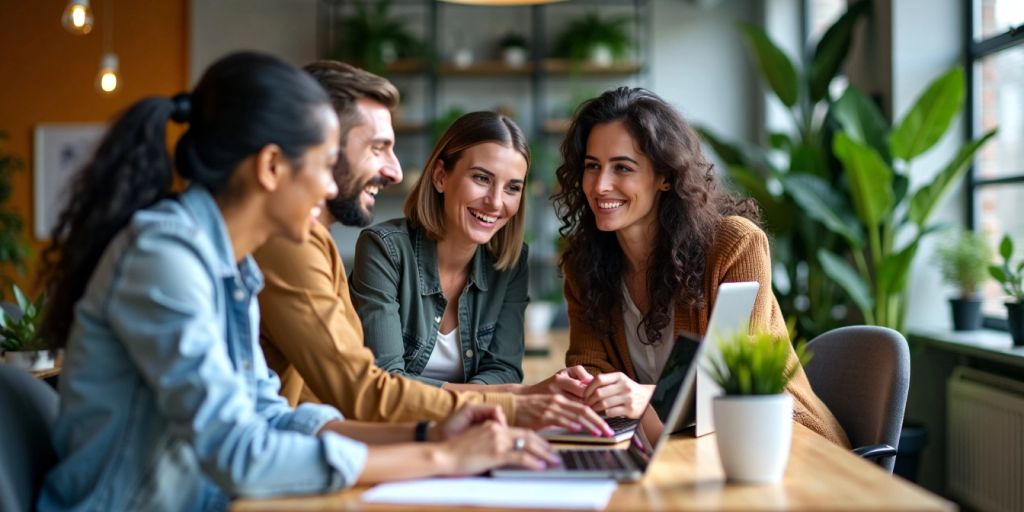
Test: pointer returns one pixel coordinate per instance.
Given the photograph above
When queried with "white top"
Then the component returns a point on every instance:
(648, 360)
(445, 361)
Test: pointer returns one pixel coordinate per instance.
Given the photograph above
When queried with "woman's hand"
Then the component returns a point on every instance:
(540, 411)
(464, 418)
(615, 394)
(568, 382)
(490, 444)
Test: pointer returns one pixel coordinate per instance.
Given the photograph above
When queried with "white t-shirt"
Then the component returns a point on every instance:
(648, 360)
(445, 361)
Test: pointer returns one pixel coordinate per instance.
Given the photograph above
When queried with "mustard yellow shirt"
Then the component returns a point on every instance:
(312, 337)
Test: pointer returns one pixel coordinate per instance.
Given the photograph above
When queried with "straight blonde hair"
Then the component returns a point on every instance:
(425, 205)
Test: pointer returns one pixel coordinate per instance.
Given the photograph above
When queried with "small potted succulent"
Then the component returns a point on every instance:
(963, 260)
(19, 323)
(754, 417)
(513, 50)
(1012, 279)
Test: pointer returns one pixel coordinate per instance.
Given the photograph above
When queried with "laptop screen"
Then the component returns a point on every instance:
(674, 377)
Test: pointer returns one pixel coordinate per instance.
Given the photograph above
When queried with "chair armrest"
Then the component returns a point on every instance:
(875, 451)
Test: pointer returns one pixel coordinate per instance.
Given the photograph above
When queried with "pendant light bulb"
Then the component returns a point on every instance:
(77, 17)
(108, 81)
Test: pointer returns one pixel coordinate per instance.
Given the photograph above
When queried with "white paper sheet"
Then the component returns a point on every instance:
(496, 492)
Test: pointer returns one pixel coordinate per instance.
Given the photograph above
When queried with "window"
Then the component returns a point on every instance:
(995, 59)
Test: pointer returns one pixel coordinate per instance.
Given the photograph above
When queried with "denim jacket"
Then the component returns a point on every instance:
(166, 402)
(397, 291)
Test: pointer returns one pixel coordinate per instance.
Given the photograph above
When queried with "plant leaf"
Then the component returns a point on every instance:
(930, 116)
(927, 197)
(894, 271)
(843, 274)
(1006, 248)
(870, 179)
(832, 50)
(816, 199)
(776, 68)
(862, 120)
(19, 297)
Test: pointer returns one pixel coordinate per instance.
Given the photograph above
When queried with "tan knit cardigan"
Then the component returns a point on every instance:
(739, 253)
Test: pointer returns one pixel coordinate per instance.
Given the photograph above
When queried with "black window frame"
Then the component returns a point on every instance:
(974, 51)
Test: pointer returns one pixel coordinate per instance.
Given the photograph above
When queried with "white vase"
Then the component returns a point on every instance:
(753, 434)
(463, 58)
(30, 360)
(601, 56)
(539, 316)
(514, 56)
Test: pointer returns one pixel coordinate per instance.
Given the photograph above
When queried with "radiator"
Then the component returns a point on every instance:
(985, 440)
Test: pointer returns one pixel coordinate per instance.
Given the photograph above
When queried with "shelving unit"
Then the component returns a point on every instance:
(535, 94)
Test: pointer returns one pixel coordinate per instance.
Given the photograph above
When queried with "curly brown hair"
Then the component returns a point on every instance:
(688, 214)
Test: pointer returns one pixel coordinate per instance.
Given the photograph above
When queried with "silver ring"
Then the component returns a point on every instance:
(518, 444)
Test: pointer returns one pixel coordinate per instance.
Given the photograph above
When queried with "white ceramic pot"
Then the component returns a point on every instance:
(601, 56)
(514, 56)
(30, 360)
(753, 434)
(463, 58)
(539, 316)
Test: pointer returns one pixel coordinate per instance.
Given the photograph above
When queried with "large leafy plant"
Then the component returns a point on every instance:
(756, 364)
(13, 247)
(18, 332)
(777, 173)
(848, 177)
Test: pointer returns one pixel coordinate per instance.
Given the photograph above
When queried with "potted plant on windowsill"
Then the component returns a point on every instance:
(754, 418)
(18, 340)
(963, 260)
(1012, 279)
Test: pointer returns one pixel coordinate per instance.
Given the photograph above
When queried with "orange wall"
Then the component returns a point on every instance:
(47, 74)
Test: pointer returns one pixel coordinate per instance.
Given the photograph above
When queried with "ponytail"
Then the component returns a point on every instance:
(130, 171)
(243, 102)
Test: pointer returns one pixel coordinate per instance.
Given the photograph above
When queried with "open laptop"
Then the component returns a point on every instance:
(666, 408)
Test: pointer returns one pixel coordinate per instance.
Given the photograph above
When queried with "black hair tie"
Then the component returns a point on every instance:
(182, 107)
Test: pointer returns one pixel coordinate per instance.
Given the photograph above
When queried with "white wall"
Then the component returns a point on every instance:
(286, 28)
(927, 39)
(701, 67)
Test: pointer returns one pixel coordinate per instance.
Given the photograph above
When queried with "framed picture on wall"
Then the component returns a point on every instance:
(61, 150)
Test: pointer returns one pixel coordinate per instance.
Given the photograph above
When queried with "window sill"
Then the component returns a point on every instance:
(985, 344)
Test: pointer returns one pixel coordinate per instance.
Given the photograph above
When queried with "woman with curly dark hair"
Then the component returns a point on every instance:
(651, 235)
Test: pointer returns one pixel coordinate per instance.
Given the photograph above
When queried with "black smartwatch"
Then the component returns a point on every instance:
(420, 433)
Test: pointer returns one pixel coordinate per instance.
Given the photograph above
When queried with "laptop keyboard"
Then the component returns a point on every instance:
(593, 459)
(621, 424)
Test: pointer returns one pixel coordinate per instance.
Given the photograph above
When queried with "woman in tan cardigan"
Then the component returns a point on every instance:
(650, 237)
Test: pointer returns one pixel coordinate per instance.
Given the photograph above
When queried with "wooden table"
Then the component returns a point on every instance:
(686, 475)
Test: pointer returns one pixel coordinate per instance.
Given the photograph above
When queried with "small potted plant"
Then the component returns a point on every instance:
(18, 341)
(1012, 279)
(754, 417)
(599, 41)
(372, 38)
(513, 50)
(964, 260)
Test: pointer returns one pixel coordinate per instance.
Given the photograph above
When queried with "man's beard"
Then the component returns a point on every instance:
(345, 206)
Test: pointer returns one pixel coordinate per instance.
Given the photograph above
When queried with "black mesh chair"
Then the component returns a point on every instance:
(28, 408)
(862, 373)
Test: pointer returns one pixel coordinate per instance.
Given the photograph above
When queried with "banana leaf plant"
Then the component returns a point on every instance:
(803, 159)
(891, 220)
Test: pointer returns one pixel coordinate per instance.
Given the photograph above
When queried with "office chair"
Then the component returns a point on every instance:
(28, 407)
(862, 373)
